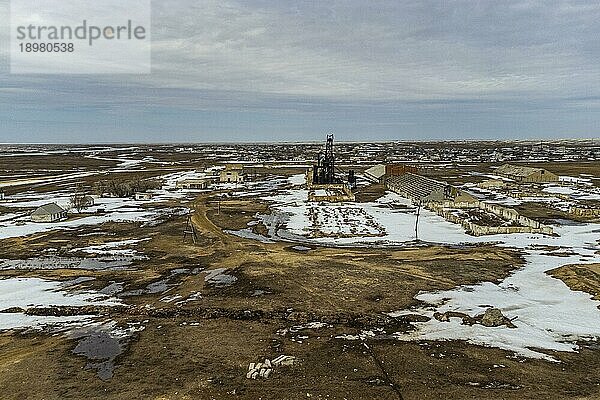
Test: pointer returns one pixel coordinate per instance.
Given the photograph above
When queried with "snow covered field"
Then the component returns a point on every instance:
(549, 316)
(113, 209)
(388, 221)
(32, 292)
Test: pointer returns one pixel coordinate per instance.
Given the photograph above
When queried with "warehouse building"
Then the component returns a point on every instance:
(524, 174)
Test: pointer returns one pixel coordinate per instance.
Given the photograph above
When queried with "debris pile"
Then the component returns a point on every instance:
(492, 317)
(265, 369)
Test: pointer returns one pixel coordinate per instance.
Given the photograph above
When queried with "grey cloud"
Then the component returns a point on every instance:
(496, 59)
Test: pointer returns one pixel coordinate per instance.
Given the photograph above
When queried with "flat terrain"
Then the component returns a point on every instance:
(190, 316)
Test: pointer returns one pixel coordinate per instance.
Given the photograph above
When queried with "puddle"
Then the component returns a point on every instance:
(180, 271)
(102, 344)
(218, 278)
(100, 349)
(113, 289)
(158, 287)
(301, 248)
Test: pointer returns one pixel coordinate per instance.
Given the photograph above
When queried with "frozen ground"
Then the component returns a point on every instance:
(561, 196)
(21, 227)
(28, 293)
(549, 316)
(576, 193)
(105, 209)
(388, 221)
(112, 248)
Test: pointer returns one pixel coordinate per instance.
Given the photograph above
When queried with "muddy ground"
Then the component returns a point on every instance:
(200, 348)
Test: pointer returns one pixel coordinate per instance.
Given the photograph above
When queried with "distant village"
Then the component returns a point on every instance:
(334, 176)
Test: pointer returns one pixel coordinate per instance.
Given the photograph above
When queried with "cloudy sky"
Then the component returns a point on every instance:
(271, 70)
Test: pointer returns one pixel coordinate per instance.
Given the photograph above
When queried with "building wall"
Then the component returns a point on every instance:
(343, 193)
(528, 225)
(585, 211)
(200, 184)
(541, 177)
(49, 217)
(399, 169)
(376, 173)
(232, 176)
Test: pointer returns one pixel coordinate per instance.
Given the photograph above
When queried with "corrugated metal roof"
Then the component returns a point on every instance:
(517, 170)
(48, 209)
(377, 171)
(417, 186)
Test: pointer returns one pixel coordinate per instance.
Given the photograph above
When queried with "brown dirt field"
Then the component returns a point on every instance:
(276, 288)
(583, 278)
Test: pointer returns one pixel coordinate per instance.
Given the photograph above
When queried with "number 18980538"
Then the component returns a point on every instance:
(47, 47)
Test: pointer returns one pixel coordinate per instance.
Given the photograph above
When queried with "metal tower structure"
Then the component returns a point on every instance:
(324, 170)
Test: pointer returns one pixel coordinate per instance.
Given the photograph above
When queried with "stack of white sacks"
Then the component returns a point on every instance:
(265, 369)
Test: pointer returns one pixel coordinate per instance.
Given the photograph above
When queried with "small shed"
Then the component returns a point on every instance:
(49, 213)
(193, 183)
(143, 196)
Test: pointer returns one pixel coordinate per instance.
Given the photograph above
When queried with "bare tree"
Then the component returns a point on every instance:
(126, 188)
(79, 200)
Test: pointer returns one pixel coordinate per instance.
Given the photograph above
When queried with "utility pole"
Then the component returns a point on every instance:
(190, 229)
(417, 221)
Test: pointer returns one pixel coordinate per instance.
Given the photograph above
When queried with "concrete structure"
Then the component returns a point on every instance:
(446, 199)
(515, 223)
(492, 184)
(195, 183)
(233, 173)
(420, 189)
(524, 174)
(400, 169)
(333, 193)
(49, 213)
(379, 173)
(585, 211)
